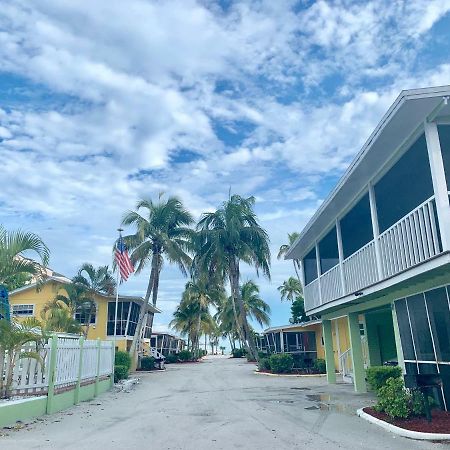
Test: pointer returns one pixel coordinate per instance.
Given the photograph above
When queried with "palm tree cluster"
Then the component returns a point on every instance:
(211, 252)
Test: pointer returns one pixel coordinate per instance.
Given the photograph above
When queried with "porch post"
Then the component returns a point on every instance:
(341, 256)
(375, 229)
(328, 346)
(282, 341)
(359, 373)
(398, 342)
(439, 182)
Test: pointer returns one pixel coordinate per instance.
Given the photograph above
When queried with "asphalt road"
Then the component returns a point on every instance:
(216, 404)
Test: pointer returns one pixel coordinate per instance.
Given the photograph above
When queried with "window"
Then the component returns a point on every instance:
(86, 313)
(310, 266)
(356, 227)
(122, 318)
(23, 310)
(405, 330)
(328, 251)
(444, 139)
(134, 317)
(439, 313)
(395, 194)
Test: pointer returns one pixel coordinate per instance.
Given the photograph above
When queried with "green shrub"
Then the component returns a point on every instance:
(122, 359)
(120, 373)
(185, 355)
(281, 363)
(262, 355)
(171, 358)
(393, 399)
(238, 352)
(378, 375)
(147, 363)
(264, 364)
(320, 365)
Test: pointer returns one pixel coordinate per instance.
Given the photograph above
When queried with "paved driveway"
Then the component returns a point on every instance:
(216, 404)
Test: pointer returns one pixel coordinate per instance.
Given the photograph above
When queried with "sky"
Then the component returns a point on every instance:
(103, 103)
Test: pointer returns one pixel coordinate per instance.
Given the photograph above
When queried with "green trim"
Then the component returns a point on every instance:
(398, 342)
(24, 409)
(52, 372)
(97, 377)
(359, 373)
(80, 371)
(328, 347)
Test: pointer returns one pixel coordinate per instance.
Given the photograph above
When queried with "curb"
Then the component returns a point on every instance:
(402, 431)
(290, 375)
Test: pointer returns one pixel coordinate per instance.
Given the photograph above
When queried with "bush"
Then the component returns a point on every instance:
(171, 358)
(120, 373)
(147, 363)
(393, 399)
(264, 364)
(377, 376)
(281, 363)
(122, 359)
(238, 352)
(320, 365)
(185, 355)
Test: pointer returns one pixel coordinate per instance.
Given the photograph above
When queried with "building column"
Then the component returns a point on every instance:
(328, 347)
(282, 341)
(398, 342)
(318, 271)
(439, 182)
(375, 230)
(359, 373)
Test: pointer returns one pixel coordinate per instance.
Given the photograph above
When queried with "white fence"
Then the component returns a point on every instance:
(72, 359)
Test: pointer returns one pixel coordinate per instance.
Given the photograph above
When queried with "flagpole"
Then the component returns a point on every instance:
(117, 294)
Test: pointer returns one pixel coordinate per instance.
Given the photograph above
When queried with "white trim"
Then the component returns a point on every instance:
(402, 431)
(24, 305)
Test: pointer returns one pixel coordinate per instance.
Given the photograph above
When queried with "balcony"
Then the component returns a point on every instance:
(412, 240)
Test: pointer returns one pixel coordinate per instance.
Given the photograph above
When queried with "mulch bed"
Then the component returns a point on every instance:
(293, 372)
(440, 421)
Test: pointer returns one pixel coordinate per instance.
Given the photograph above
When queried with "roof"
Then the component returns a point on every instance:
(292, 325)
(161, 333)
(56, 277)
(408, 112)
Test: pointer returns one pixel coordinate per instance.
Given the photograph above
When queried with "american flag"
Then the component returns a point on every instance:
(123, 260)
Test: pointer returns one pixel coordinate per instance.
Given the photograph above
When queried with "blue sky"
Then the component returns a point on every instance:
(105, 102)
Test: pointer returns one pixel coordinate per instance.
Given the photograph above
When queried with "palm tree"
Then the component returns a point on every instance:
(13, 264)
(292, 237)
(228, 236)
(93, 281)
(255, 307)
(59, 314)
(290, 289)
(162, 232)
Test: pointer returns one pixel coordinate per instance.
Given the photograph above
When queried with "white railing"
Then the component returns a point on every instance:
(346, 365)
(410, 241)
(312, 294)
(360, 269)
(330, 284)
(31, 375)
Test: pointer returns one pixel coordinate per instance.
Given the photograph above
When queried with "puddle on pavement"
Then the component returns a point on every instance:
(301, 388)
(318, 397)
(322, 399)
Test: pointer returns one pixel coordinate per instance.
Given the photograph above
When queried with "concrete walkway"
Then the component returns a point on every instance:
(216, 404)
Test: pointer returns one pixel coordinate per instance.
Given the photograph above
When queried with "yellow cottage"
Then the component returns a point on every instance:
(27, 301)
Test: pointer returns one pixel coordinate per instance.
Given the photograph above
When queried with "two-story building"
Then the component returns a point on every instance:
(28, 301)
(376, 254)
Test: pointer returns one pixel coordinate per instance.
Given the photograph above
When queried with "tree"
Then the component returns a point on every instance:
(298, 311)
(229, 236)
(255, 307)
(292, 237)
(13, 336)
(17, 281)
(92, 280)
(13, 264)
(161, 232)
(290, 289)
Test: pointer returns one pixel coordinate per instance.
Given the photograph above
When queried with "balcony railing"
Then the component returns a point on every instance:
(410, 241)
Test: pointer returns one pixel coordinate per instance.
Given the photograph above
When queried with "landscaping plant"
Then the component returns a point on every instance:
(122, 359)
(185, 355)
(264, 364)
(147, 363)
(320, 366)
(281, 363)
(171, 358)
(120, 373)
(377, 376)
(238, 353)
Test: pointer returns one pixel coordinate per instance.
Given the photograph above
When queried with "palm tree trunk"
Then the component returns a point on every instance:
(249, 343)
(142, 312)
